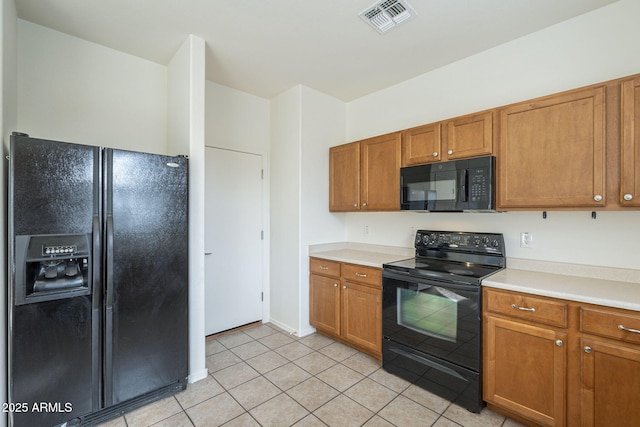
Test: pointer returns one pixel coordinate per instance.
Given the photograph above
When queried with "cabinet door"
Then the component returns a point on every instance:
(470, 136)
(380, 182)
(421, 145)
(524, 370)
(344, 177)
(610, 384)
(324, 300)
(362, 316)
(552, 152)
(630, 149)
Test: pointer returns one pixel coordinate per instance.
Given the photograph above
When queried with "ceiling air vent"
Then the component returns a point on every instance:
(387, 14)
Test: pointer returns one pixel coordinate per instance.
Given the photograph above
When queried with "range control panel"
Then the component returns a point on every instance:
(464, 241)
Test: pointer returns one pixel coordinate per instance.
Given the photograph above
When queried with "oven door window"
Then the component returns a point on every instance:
(430, 314)
(433, 317)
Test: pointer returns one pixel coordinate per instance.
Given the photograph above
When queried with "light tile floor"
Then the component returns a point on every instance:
(263, 376)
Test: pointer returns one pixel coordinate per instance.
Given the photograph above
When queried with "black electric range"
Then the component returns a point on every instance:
(431, 315)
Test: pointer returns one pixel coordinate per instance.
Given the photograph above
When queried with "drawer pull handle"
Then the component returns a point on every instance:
(523, 308)
(361, 275)
(324, 267)
(635, 331)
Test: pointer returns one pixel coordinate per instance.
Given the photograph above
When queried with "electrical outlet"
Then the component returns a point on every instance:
(526, 239)
(365, 231)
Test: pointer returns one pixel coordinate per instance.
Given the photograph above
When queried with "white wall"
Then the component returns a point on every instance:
(77, 91)
(304, 123)
(8, 122)
(323, 121)
(595, 47)
(284, 166)
(236, 120)
(186, 88)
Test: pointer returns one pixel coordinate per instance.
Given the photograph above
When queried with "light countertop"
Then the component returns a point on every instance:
(358, 253)
(594, 290)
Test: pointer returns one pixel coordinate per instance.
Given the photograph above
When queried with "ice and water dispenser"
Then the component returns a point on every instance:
(50, 267)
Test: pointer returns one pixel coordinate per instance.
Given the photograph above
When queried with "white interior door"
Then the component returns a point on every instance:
(233, 239)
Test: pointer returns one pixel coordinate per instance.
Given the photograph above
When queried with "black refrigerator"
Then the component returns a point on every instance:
(98, 281)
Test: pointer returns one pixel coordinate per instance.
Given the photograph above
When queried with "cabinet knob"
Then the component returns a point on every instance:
(587, 349)
(355, 205)
(597, 198)
(450, 152)
(628, 197)
(344, 286)
(364, 204)
(335, 285)
(435, 154)
(559, 343)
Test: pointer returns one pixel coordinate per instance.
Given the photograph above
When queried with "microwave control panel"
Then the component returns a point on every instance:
(479, 184)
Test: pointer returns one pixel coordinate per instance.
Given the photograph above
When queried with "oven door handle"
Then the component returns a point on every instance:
(407, 277)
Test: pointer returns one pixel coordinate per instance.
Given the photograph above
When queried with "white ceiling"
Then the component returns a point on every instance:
(265, 47)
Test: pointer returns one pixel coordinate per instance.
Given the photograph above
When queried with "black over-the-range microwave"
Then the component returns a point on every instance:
(457, 185)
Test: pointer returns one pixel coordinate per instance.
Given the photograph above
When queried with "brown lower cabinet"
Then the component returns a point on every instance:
(552, 362)
(346, 303)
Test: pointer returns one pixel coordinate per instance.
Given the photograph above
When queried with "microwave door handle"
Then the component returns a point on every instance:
(463, 179)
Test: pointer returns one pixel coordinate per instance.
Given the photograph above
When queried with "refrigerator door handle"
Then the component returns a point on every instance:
(109, 262)
(96, 298)
(95, 270)
(108, 342)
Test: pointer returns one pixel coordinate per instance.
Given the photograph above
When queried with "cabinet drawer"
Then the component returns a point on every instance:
(527, 307)
(620, 325)
(324, 267)
(362, 274)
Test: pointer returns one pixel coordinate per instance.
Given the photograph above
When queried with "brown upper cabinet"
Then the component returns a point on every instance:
(458, 138)
(630, 143)
(344, 177)
(469, 136)
(578, 150)
(552, 152)
(422, 144)
(365, 175)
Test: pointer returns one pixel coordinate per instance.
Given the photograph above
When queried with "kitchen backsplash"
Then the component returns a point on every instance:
(610, 240)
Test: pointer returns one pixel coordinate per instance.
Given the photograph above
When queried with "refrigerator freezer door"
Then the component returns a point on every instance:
(54, 184)
(146, 223)
(54, 333)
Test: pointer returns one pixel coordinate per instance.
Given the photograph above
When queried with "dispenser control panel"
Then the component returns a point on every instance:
(59, 249)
